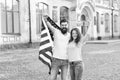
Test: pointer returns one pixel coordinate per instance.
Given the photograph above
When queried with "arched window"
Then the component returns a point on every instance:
(41, 8)
(107, 26)
(115, 24)
(64, 13)
(10, 16)
(84, 25)
(83, 18)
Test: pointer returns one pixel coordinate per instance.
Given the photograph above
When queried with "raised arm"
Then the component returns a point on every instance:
(84, 38)
(51, 24)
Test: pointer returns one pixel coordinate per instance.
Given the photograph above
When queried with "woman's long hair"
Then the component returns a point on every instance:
(78, 35)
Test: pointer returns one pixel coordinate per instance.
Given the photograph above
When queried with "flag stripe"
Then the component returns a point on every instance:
(43, 31)
(44, 61)
(47, 56)
(43, 26)
(44, 46)
(43, 39)
(44, 42)
(44, 35)
(45, 49)
(49, 53)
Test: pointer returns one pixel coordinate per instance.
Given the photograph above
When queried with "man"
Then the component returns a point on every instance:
(61, 39)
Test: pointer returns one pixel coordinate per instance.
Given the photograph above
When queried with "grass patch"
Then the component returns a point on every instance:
(19, 46)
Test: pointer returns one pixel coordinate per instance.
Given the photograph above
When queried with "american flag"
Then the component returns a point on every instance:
(46, 44)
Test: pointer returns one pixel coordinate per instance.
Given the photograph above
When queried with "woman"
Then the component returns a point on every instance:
(74, 53)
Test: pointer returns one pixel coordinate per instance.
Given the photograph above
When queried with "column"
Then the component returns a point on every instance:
(0, 25)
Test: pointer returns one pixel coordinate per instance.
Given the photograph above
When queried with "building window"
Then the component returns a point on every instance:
(94, 20)
(64, 13)
(102, 19)
(83, 26)
(98, 1)
(115, 4)
(41, 8)
(115, 1)
(54, 14)
(115, 24)
(106, 2)
(10, 16)
(107, 26)
(83, 18)
(98, 22)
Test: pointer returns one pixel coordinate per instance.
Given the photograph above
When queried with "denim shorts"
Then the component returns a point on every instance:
(76, 70)
(74, 63)
(59, 64)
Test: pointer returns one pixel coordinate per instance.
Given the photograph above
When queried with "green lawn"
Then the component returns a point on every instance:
(101, 62)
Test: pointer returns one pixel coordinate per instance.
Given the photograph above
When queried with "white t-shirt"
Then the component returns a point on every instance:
(74, 51)
(60, 44)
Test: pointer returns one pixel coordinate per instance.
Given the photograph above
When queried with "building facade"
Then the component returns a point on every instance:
(105, 15)
(20, 20)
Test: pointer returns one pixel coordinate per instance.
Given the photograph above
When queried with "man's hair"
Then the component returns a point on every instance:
(63, 20)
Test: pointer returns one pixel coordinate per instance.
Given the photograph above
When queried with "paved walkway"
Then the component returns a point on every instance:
(103, 41)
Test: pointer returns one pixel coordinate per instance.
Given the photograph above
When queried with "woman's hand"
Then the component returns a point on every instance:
(87, 35)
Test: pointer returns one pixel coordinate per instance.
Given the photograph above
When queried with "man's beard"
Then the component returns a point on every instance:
(64, 30)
